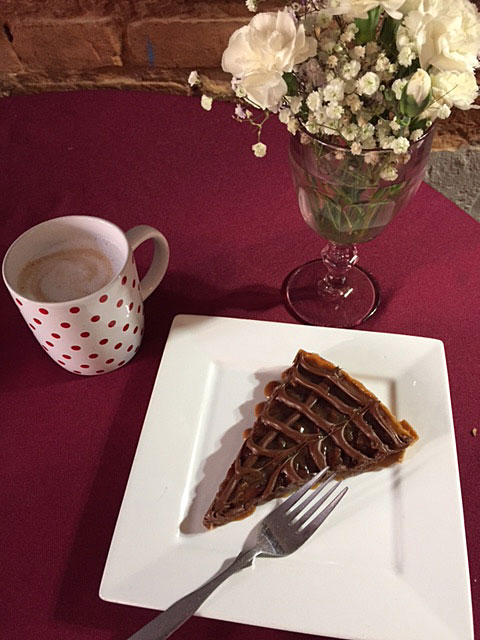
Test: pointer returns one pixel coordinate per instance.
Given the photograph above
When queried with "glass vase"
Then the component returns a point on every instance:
(346, 199)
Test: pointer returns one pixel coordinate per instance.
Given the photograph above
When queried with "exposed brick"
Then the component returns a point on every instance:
(65, 44)
(174, 43)
(9, 62)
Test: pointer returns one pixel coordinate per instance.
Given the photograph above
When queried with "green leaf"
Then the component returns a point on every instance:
(367, 26)
(292, 84)
(388, 34)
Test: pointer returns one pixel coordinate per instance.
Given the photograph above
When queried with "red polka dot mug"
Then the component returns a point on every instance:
(75, 281)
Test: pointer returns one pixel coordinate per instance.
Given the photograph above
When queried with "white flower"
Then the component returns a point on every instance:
(332, 61)
(239, 91)
(354, 102)
(356, 148)
(371, 157)
(314, 100)
(206, 102)
(295, 104)
(454, 88)
(358, 52)
(259, 149)
(350, 69)
(334, 111)
(406, 56)
(193, 79)
(360, 8)
(416, 135)
(397, 87)
(350, 131)
(240, 112)
(446, 34)
(293, 125)
(394, 126)
(366, 132)
(284, 115)
(334, 91)
(382, 63)
(251, 5)
(368, 83)
(419, 86)
(389, 173)
(259, 53)
(400, 145)
(444, 112)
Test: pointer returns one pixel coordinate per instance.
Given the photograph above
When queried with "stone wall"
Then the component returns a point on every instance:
(58, 45)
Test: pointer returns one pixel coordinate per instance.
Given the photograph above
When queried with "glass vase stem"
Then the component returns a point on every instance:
(338, 260)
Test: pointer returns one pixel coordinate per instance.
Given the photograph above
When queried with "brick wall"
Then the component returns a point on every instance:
(57, 45)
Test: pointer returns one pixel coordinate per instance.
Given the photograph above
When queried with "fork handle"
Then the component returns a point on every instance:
(167, 622)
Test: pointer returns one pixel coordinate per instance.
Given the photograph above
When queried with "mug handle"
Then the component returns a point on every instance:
(161, 253)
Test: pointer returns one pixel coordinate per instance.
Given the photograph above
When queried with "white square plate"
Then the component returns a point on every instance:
(389, 564)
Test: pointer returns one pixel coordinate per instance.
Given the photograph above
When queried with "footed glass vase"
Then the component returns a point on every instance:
(346, 199)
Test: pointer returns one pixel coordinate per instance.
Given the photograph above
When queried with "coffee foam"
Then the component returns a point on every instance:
(70, 270)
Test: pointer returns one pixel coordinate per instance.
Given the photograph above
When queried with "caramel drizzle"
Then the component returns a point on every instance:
(315, 443)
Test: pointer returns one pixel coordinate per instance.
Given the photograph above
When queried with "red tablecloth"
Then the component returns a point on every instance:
(66, 442)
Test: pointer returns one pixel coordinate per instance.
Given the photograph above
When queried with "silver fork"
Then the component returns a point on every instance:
(281, 533)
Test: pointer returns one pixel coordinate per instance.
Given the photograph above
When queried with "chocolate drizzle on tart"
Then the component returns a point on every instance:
(316, 417)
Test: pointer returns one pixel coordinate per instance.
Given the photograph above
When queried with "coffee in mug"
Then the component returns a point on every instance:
(75, 281)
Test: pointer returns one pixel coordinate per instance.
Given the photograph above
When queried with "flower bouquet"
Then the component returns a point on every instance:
(359, 84)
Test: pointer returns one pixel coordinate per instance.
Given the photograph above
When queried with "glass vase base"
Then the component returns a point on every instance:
(307, 301)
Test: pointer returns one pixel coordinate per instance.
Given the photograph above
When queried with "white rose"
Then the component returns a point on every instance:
(259, 53)
(446, 34)
(419, 85)
(360, 8)
(455, 89)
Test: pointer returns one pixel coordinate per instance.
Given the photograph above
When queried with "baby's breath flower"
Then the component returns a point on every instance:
(358, 52)
(394, 126)
(368, 83)
(397, 87)
(350, 69)
(371, 48)
(332, 61)
(366, 132)
(416, 135)
(371, 157)
(206, 102)
(354, 102)
(356, 148)
(389, 173)
(400, 145)
(444, 111)
(334, 91)
(193, 79)
(339, 155)
(251, 5)
(240, 112)
(295, 104)
(382, 63)
(350, 131)
(284, 115)
(334, 111)
(259, 149)
(314, 100)
(406, 56)
(240, 92)
(293, 125)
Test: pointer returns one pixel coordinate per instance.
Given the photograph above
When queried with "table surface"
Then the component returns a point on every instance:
(67, 442)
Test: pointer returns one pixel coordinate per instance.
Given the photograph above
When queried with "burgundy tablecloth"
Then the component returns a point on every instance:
(66, 442)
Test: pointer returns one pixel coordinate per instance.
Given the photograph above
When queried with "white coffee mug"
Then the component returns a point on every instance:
(75, 281)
